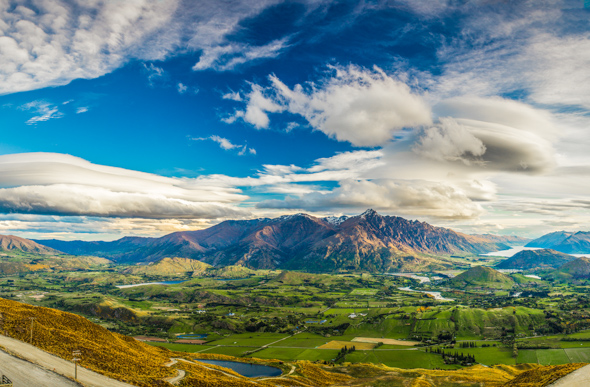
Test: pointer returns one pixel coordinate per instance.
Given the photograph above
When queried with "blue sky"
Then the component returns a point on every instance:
(146, 117)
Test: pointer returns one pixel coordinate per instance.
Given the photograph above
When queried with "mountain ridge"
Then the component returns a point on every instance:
(368, 241)
(14, 243)
(564, 241)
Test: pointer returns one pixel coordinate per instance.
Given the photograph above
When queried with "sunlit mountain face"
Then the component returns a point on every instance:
(145, 118)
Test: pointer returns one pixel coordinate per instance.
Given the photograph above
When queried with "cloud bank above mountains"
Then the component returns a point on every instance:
(468, 116)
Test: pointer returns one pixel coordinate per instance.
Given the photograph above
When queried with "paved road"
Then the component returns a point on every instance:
(578, 378)
(25, 374)
(58, 365)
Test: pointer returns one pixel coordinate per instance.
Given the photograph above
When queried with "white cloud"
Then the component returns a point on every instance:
(233, 95)
(450, 141)
(82, 109)
(415, 198)
(558, 69)
(499, 134)
(44, 111)
(47, 183)
(154, 74)
(56, 41)
(60, 42)
(258, 107)
(181, 88)
(93, 228)
(225, 144)
(365, 108)
(229, 56)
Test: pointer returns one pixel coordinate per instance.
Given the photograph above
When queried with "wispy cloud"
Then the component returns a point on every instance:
(154, 74)
(44, 111)
(226, 144)
(229, 56)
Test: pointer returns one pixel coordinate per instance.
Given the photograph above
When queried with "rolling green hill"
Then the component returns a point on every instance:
(170, 267)
(577, 268)
(482, 276)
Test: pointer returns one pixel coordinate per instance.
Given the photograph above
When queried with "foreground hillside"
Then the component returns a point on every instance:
(125, 359)
(368, 242)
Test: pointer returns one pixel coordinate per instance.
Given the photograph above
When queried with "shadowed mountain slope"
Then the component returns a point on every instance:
(577, 268)
(535, 259)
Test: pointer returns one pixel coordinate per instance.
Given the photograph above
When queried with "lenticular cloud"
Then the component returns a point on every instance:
(47, 183)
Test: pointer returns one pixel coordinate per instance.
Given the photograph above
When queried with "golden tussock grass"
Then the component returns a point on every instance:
(543, 376)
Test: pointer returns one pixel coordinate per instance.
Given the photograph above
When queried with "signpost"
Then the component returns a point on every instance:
(76, 354)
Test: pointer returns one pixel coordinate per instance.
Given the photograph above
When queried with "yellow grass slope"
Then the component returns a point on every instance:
(496, 376)
(114, 355)
(543, 376)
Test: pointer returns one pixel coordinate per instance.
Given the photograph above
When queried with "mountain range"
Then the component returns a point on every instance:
(564, 241)
(18, 244)
(365, 242)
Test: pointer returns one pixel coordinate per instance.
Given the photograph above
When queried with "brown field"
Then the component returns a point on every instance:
(384, 341)
(341, 344)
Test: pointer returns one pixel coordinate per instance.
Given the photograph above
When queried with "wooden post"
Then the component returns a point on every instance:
(76, 353)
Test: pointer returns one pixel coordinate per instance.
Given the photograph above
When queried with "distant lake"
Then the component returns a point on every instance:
(518, 249)
(510, 252)
(245, 369)
(150, 283)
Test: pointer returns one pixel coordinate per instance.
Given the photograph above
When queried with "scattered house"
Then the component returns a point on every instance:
(231, 314)
(362, 314)
(316, 322)
(352, 315)
(201, 311)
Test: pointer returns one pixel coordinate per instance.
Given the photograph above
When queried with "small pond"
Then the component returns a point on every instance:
(245, 369)
(192, 336)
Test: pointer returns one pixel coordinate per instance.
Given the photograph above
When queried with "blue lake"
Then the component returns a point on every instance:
(193, 336)
(245, 369)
